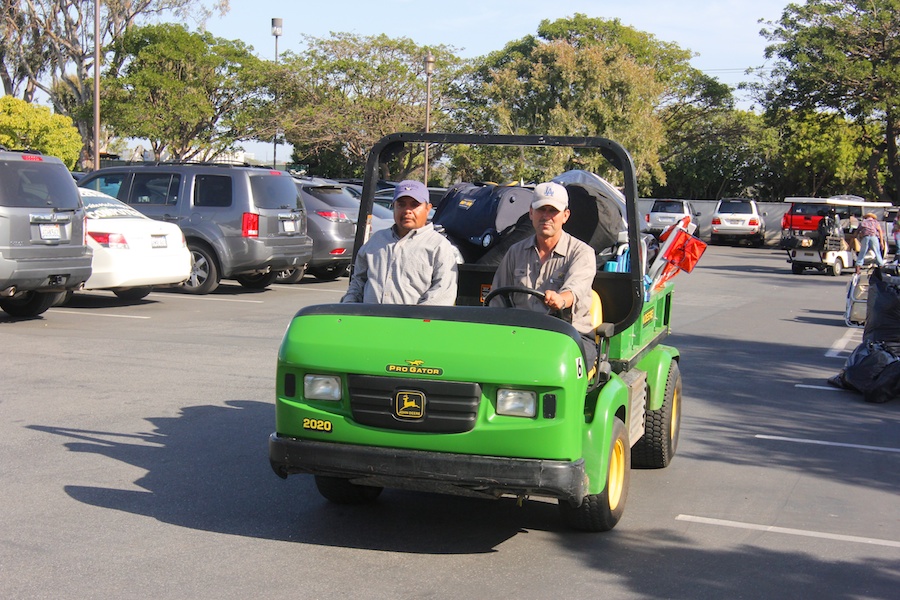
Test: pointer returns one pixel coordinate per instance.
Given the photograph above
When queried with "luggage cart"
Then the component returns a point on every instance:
(857, 297)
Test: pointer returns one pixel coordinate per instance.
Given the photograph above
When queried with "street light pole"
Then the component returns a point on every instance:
(276, 31)
(429, 69)
(96, 84)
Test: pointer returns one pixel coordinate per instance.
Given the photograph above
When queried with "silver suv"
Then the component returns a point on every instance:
(738, 219)
(665, 213)
(243, 223)
(42, 245)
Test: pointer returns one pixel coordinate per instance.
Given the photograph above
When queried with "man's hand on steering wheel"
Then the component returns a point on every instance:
(555, 300)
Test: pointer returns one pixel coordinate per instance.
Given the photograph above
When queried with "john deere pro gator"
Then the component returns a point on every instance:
(488, 401)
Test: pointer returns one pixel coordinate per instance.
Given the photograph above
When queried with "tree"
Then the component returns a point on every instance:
(341, 94)
(187, 93)
(50, 43)
(27, 126)
(581, 76)
(843, 56)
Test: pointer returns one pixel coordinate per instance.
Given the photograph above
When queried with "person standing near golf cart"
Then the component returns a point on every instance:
(870, 236)
(553, 262)
(408, 263)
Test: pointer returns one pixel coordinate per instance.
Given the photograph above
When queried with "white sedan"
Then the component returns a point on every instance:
(132, 253)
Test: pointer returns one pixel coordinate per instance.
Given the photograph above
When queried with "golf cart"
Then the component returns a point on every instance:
(486, 401)
(834, 246)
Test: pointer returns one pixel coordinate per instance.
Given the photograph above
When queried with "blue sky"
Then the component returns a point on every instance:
(724, 34)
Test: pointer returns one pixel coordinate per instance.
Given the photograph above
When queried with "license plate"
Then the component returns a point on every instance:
(290, 226)
(734, 222)
(667, 219)
(158, 241)
(49, 231)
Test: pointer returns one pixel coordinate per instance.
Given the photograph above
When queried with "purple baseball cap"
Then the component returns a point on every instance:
(412, 189)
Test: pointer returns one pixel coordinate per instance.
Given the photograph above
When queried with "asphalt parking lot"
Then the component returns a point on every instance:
(134, 464)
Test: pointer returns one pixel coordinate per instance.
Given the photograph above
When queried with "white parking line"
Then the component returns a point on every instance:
(95, 314)
(827, 388)
(788, 531)
(824, 443)
(839, 348)
(205, 297)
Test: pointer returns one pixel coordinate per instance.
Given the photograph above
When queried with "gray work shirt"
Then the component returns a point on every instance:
(419, 268)
(570, 267)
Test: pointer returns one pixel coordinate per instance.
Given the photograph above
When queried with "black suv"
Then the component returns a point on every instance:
(42, 245)
(240, 222)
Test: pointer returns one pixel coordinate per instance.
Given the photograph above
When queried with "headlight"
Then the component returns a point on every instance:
(516, 403)
(322, 387)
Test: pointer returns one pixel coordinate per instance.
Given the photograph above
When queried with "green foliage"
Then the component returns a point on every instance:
(27, 126)
(843, 57)
(579, 76)
(185, 92)
(343, 93)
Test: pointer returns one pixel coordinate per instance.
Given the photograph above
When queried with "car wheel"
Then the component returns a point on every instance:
(342, 491)
(797, 269)
(133, 293)
(29, 304)
(329, 273)
(838, 267)
(257, 281)
(290, 275)
(204, 276)
(656, 448)
(714, 240)
(601, 512)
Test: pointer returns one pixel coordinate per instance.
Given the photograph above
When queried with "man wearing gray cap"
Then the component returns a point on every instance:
(408, 263)
(553, 262)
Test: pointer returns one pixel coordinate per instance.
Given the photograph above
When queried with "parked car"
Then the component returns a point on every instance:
(243, 223)
(332, 211)
(738, 219)
(132, 253)
(664, 213)
(43, 252)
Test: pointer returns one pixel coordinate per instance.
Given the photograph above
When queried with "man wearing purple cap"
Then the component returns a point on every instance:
(553, 262)
(409, 263)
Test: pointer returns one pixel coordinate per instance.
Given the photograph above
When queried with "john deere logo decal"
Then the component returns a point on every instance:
(409, 404)
(414, 367)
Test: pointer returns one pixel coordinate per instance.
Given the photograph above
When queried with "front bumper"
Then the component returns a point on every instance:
(462, 474)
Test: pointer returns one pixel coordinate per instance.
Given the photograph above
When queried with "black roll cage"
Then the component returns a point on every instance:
(614, 152)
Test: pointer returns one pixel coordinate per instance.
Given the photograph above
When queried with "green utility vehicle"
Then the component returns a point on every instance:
(483, 401)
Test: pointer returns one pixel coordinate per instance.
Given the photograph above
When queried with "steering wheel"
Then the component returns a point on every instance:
(506, 293)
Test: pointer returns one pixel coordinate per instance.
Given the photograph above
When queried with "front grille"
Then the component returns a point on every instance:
(449, 406)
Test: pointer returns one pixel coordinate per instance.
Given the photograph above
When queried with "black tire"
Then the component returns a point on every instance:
(290, 275)
(329, 273)
(657, 447)
(601, 512)
(342, 491)
(29, 304)
(63, 298)
(714, 239)
(257, 281)
(797, 269)
(133, 293)
(838, 267)
(204, 276)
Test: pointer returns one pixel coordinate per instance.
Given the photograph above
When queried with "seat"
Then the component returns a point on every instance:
(599, 372)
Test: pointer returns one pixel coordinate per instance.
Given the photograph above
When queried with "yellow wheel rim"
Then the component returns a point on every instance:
(676, 406)
(616, 473)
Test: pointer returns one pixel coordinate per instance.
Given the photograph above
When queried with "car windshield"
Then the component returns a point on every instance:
(108, 208)
(37, 184)
(334, 196)
(809, 209)
(274, 191)
(668, 206)
(736, 208)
